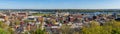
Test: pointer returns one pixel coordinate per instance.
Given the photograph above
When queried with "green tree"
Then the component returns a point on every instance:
(110, 27)
(95, 28)
(2, 31)
(65, 29)
(39, 31)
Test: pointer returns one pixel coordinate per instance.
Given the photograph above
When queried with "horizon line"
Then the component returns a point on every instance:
(69, 8)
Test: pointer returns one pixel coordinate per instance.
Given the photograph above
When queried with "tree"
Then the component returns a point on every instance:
(10, 30)
(2, 31)
(39, 31)
(110, 27)
(65, 29)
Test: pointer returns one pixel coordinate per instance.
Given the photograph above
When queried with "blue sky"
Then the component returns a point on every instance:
(59, 4)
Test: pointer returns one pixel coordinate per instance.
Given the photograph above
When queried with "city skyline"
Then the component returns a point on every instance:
(59, 4)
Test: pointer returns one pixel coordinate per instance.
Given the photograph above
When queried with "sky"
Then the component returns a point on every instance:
(59, 4)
